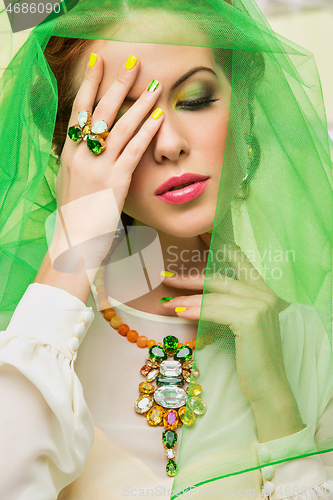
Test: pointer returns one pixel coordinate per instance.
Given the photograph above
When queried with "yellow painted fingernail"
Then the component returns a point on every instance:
(180, 309)
(92, 59)
(157, 113)
(210, 231)
(166, 274)
(131, 62)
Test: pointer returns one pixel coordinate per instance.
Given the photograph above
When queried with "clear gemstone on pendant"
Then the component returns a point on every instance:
(143, 403)
(152, 375)
(170, 380)
(197, 405)
(83, 118)
(170, 396)
(170, 454)
(99, 127)
(170, 368)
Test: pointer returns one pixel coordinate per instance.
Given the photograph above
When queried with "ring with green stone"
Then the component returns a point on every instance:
(93, 135)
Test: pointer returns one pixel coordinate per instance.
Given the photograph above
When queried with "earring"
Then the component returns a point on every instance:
(252, 165)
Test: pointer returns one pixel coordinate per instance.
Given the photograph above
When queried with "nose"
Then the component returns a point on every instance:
(170, 142)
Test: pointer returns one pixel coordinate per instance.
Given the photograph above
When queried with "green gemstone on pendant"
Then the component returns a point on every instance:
(183, 353)
(170, 343)
(169, 439)
(74, 133)
(157, 352)
(94, 145)
(171, 468)
(170, 380)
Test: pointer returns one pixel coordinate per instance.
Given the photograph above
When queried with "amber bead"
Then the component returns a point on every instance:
(180, 345)
(109, 313)
(100, 288)
(132, 335)
(151, 343)
(208, 338)
(104, 304)
(102, 296)
(99, 281)
(189, 344)
(123, 329)
(142, 341)
(115, 322)
(199, 343)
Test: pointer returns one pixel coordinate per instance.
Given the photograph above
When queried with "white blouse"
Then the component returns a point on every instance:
(74, 435)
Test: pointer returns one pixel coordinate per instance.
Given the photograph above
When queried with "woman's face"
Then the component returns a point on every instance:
(191, 140)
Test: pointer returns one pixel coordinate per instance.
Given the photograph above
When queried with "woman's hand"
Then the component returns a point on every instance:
(250, 309)
(91, 190)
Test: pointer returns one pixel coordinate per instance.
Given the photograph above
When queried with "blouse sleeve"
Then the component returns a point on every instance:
(46, 429)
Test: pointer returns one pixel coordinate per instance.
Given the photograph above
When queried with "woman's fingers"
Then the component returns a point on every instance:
(130, 122)
(108, 106)
(134, 150)
(85, 98)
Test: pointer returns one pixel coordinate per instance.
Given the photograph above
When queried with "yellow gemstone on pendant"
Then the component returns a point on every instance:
(155, 415)
(186, 416)
(148, 388)
(195, 390)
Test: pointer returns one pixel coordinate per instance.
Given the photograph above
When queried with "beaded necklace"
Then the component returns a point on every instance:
(166, 403)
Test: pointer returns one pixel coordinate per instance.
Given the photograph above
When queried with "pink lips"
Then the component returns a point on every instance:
(196, 186)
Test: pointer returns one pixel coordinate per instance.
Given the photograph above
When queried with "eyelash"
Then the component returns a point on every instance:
(196, 104)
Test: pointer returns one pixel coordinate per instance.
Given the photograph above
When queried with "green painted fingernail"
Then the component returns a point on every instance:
(166, 299)
(153, 85)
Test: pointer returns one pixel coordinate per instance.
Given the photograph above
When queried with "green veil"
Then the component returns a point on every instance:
(282, 216)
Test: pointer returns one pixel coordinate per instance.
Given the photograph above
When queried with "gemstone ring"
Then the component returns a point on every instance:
(93, 135)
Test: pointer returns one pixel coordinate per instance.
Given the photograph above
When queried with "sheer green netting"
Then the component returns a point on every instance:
(283, 224)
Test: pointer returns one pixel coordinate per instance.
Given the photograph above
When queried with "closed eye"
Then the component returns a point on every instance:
(196, 103)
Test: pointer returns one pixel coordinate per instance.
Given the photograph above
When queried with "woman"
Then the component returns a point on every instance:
(176, 111)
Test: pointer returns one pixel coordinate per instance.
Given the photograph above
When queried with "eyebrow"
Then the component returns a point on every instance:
(178, 82)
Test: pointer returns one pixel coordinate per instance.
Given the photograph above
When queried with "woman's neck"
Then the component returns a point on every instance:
(180, 255)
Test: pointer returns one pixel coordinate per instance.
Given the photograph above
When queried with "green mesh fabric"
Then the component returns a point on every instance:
(283, 225)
